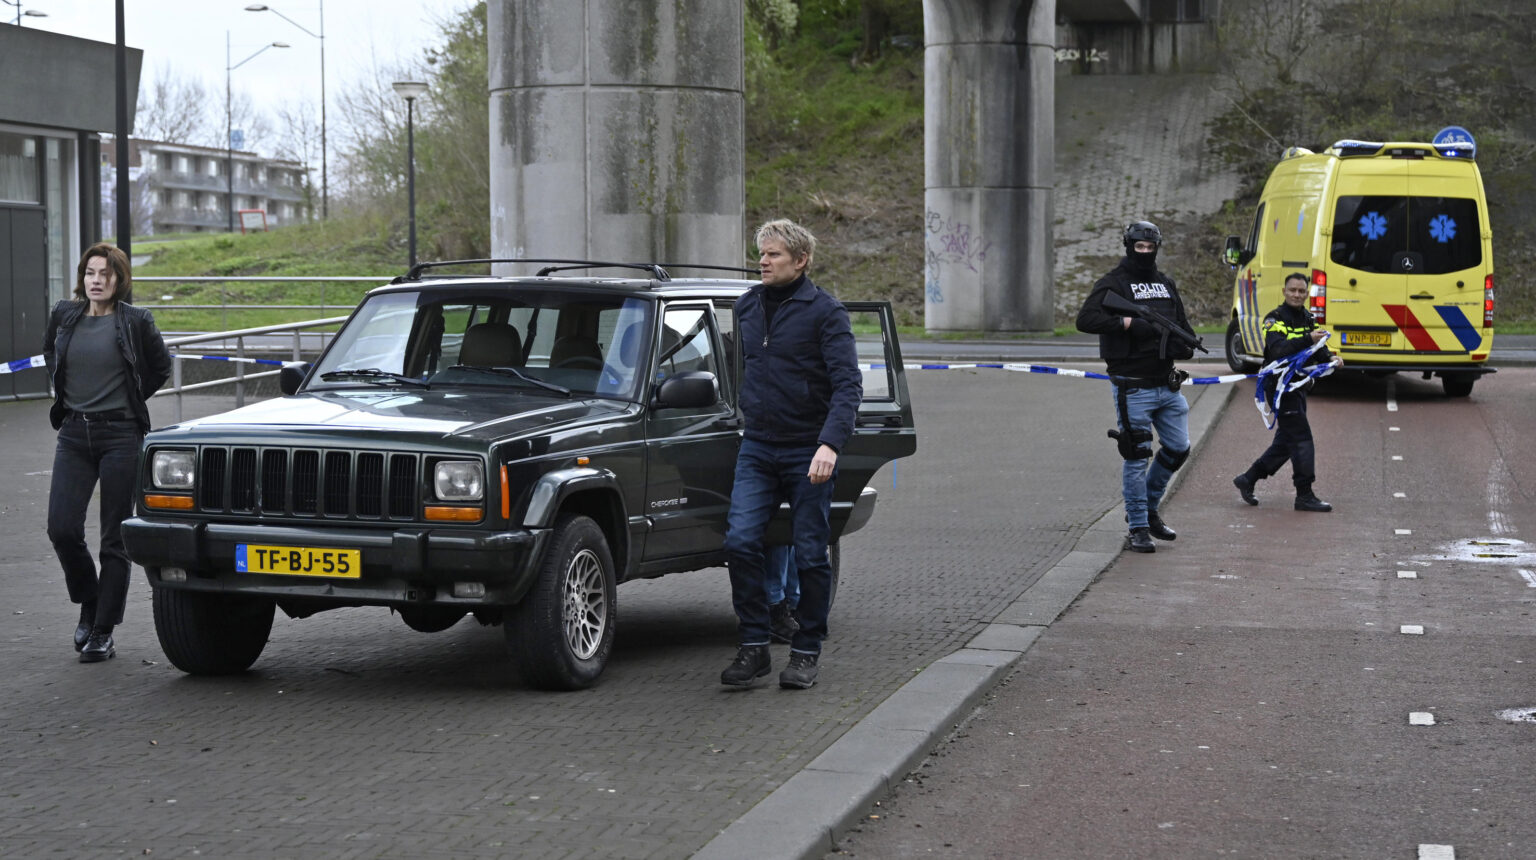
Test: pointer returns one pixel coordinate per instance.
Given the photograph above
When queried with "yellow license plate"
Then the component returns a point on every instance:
(1372, 338)
(298, 561)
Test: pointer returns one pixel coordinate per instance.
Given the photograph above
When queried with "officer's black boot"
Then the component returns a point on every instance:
(1306, 501)
(1244, 485)
(1159, 529)
(1140, 540)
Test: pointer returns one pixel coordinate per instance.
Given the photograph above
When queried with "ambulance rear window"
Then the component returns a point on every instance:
(1407, 235)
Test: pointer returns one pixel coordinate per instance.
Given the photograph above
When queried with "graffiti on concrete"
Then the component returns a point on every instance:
(1072, 55)
(950, 242)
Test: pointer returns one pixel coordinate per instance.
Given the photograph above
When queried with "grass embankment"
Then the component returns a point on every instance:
(340, 247)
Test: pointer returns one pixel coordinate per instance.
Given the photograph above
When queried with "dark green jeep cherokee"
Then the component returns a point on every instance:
(508, 448)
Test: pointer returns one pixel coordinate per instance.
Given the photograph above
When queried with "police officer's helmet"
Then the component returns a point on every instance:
(1142, 231)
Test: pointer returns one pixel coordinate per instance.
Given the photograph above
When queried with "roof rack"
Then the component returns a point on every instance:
(743, 269)
(655, 271)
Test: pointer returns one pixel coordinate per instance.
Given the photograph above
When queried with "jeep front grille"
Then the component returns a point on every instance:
(284, 482)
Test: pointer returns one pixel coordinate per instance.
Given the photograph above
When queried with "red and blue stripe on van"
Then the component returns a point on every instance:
(1249, 317)
(1421, 340)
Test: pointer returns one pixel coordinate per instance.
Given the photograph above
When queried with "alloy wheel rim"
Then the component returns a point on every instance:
(585, 605)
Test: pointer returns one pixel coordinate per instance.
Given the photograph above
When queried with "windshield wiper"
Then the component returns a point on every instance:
(514, 372)
(373, 374)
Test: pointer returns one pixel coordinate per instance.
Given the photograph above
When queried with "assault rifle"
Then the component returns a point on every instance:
(1119, 304)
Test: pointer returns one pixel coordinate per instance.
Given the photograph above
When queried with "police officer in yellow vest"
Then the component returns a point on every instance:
(1289, 329)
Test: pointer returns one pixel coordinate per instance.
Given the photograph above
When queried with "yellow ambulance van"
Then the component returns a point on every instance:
(1395, 241)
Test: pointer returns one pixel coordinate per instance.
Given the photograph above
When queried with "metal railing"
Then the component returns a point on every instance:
(298, 331)
(225, 306)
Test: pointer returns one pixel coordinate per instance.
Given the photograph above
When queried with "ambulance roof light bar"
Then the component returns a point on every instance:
(1348, 148)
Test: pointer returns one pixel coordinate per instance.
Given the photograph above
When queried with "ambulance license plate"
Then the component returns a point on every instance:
(1372, 338)
(298, 561)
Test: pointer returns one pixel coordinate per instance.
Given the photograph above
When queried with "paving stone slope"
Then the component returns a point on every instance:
(1129, 146)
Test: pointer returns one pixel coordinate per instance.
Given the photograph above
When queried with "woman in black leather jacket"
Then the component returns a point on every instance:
(106, 359)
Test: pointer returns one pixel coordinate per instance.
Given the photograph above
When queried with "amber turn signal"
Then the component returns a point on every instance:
(445, 514)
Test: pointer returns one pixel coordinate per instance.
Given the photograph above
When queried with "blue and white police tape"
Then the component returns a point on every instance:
(22, 364)
(1291, 373)
(37, 361)
(1053, 371)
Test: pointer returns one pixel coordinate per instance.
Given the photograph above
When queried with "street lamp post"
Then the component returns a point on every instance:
(325, 183)
(411, 91)
(30, 13)
(229, 122)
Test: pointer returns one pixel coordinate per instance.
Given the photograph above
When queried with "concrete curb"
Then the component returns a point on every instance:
(802, 817)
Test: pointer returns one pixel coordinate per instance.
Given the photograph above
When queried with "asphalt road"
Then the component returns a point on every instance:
(1252, 689)
(356, 737)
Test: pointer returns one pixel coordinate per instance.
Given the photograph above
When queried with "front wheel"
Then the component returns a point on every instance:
(211, 634)
(1234, 342)
(561, 634)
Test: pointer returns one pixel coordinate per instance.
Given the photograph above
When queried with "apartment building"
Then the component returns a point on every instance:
(179, 188)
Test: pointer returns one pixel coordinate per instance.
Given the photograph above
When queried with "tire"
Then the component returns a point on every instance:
(561, 634)
(1458, 384)
(211, 634)
(430, 619)
(1234, 348)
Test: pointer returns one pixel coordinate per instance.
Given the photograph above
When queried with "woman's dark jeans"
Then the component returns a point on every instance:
(88, 452)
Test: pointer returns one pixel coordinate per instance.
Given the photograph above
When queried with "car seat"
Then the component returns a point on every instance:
(491, 345)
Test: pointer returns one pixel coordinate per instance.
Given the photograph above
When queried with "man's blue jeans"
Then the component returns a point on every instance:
(1142, 482)
(765, 475)
(783, 577)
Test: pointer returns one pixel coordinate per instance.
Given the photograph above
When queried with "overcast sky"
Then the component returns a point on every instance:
(187, 37)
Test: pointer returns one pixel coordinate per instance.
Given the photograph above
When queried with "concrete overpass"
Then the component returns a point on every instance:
(617, 133)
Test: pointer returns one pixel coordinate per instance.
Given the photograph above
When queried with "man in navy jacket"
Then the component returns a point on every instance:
(800, 394)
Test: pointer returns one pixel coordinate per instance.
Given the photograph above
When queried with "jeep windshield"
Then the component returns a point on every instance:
(559, 342)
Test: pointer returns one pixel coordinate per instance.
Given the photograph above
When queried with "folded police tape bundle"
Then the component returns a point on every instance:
(1290, 372)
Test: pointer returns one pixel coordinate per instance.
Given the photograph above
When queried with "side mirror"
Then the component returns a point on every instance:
(691, 389)
(292, 376)
(1232, 254)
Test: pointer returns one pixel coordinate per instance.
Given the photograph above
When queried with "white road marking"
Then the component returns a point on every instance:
(1437, 852)
(1402, 531)
(1421, 718)
(1399, 495)
(1517, 715)
(1397, 456)
(1407, 574)
(1530, 578)
(1412, 629)
(1391, 395)
(1394, 429)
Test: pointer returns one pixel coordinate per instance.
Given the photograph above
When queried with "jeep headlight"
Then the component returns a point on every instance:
(173, 470)
(459, 481)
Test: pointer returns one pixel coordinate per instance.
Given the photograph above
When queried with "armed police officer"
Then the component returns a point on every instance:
(1139, 318)
(1288, 330)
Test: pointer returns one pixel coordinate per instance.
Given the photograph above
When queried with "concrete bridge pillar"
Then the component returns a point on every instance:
(617, 130)
(989, 83)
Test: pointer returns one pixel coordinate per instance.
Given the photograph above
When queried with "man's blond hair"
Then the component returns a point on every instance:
(797, 240)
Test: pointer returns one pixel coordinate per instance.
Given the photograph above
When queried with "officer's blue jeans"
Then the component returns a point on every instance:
(1143, 482)
(765, 475)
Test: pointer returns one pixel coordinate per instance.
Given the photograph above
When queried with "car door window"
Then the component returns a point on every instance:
(687, 342)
